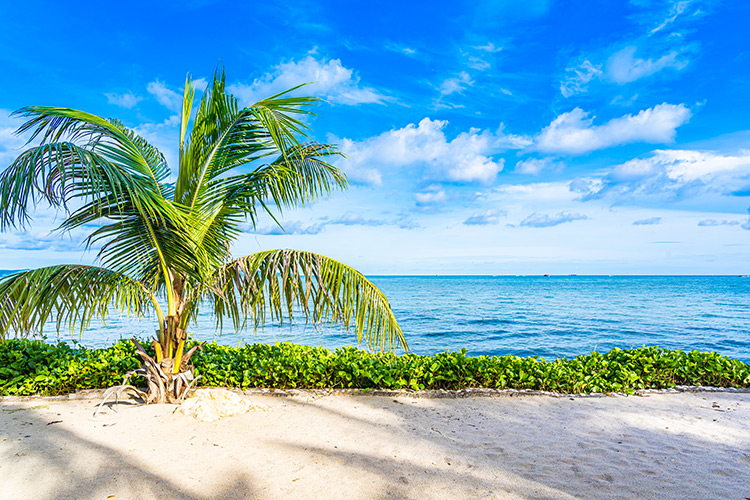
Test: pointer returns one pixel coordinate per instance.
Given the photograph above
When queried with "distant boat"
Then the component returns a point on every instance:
(546, 275)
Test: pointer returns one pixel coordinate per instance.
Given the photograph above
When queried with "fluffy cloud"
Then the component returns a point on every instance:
(328, 79)
(652, 221)
(681, 165)
(128, 100)
(429, 197)
(485, 218)
(534, 166)
(165, 96)
(623, 67)
(466, 158)
(544, 220)
(575, 133)
(674, 173)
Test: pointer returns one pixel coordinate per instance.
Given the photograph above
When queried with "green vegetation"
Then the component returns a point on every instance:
(34, 367)
(166, 232)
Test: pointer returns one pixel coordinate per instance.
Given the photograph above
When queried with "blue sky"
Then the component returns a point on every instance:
(501, 137)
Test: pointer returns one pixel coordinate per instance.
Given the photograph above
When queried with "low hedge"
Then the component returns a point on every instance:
(34, 367)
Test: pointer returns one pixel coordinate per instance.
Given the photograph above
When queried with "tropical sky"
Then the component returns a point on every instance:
(495, 137)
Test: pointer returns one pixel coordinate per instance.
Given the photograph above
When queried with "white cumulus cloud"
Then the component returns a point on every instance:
(624, 67)
(574, 132)
(127, 100)
(329, 79)
(674, 173)
(534, 166)
(165, 96)
(681, 166)
(466, 158)
(430, 197)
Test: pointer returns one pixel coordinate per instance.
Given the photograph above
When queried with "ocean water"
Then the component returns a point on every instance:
(550, 317)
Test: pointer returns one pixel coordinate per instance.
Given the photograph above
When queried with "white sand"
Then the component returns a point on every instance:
(689, 445)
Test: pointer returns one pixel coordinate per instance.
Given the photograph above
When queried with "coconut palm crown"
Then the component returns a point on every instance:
(168, 239)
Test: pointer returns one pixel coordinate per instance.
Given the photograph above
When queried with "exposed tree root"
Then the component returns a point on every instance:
(164, 386)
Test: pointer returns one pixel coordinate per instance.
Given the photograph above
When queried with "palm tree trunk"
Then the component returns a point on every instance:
(170, 374)
(165, 385)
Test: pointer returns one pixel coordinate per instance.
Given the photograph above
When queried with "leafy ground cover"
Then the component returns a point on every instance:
(30, 367)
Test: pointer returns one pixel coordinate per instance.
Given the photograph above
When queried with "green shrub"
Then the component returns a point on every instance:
(33, 367)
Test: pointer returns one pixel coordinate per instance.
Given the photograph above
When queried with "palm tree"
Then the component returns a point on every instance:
(171, 240)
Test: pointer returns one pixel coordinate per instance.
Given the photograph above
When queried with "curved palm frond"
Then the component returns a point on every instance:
(58, 173)
(69, 295)
(100, 159)
(298, 176)
(175, 239)
(106, 137)
(228, 202)
(283, 283)
(114, 175)
(225, 137)
(135, 245)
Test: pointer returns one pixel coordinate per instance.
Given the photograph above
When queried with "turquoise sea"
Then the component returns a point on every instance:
(526, 315)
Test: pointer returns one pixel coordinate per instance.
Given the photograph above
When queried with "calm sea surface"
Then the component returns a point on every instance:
(558, 316)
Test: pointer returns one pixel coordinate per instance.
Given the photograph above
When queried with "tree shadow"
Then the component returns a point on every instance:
(400, 447)
(616, 447)
(37, 439)
(423, 465)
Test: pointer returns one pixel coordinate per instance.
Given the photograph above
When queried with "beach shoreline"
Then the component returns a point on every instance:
(329, 444)
(470, 392)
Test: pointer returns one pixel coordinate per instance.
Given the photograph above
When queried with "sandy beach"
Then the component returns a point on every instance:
(322, 446)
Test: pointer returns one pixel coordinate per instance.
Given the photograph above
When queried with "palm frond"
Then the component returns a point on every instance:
(109, 138)
(225, 137)
(58, 173)
(69, 295)
(226, 203)
(118, 181)
(275, 284)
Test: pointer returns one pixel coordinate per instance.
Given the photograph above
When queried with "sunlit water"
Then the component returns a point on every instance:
(544, 316)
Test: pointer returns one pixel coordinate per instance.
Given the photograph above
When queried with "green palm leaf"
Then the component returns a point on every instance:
(277, 283)
(174, 241)
(69, 295)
